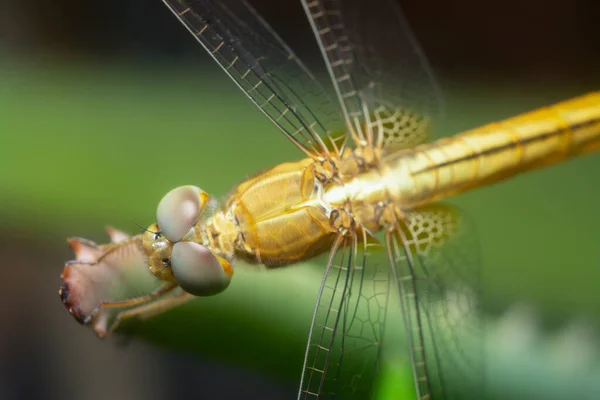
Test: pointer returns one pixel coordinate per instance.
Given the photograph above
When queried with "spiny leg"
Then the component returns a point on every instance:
(101, 319)
(148, 311)
(159, 291)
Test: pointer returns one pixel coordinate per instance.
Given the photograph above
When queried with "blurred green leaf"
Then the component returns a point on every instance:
(396, 381)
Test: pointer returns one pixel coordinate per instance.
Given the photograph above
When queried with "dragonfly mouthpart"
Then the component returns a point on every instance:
(99, 275)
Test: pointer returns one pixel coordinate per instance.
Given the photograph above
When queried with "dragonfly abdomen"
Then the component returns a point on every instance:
(279, 218)
(500, 150)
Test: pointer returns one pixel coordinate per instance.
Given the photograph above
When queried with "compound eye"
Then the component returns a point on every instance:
(198, 270)
(179, 210)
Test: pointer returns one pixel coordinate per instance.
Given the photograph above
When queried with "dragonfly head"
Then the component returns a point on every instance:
(174, 244)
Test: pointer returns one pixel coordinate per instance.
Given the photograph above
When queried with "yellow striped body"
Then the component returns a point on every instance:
(499, 150)
(285, 215)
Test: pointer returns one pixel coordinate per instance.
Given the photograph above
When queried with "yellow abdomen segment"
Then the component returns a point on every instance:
(500, 150)
(277, 218)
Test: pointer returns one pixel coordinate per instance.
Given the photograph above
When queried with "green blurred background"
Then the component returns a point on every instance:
(106, 106)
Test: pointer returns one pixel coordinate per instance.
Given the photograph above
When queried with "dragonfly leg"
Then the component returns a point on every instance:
(148, 311)
(165, 288)
(97, 315)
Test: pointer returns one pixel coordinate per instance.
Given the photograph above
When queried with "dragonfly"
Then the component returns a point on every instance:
(365, 195)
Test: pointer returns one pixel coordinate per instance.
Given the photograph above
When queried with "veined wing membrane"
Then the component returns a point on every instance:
(435, 264)
(382, 79)
(431, 261)
(266, 69)
(348, 325)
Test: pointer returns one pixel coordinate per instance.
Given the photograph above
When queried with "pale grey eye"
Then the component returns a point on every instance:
(179, 210)
(198, 271)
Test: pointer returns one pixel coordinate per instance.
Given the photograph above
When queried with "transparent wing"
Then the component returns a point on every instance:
(265, 69)
(381, 77)
(435, 264)
(432, 261)
(344, 345)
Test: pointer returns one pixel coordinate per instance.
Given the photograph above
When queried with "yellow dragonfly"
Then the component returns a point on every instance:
(366, 194)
